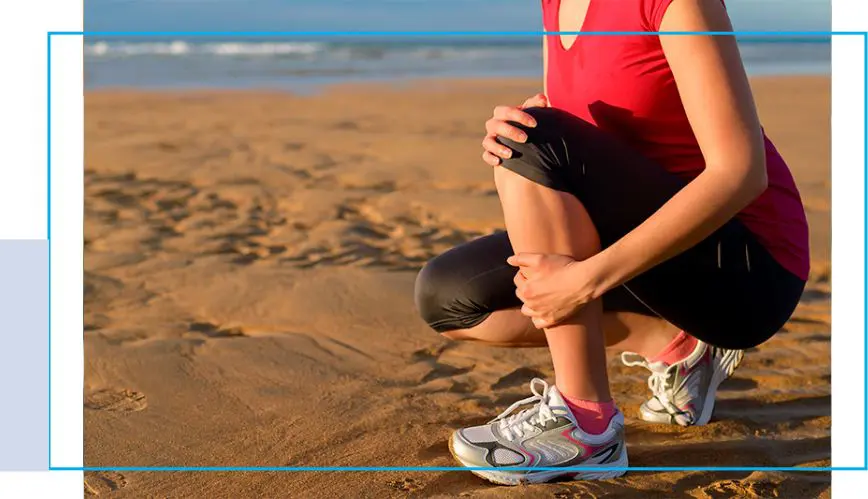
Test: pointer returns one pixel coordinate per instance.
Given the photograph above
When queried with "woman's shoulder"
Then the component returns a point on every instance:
(638, 15)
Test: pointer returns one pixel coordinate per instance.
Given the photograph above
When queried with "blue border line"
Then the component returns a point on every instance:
(865, 247)
(826, 34)
(447, 468)
(259, 34)
(48, 238)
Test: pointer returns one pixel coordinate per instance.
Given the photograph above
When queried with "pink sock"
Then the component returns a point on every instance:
(677, 350)
(593, 417)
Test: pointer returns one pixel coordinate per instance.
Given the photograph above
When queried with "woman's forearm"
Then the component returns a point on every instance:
(694, 213)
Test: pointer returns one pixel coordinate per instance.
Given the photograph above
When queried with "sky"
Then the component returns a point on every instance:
(397, 15)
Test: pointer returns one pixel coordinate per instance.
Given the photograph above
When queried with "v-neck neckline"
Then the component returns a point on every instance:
(582, 28)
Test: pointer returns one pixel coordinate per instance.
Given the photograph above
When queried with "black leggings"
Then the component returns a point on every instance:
(727, 290)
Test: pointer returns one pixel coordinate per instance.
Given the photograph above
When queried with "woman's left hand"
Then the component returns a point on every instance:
(553, 288)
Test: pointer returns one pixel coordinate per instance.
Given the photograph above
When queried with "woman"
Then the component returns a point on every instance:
(642, 200)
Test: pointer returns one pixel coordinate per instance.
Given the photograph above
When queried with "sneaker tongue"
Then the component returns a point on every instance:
(557, 403)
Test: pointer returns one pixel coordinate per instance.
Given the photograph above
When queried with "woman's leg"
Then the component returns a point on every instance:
(727, 290)
(541, 220)
(624, 332)
(467, 294)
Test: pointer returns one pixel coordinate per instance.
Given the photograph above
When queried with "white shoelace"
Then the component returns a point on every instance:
(516, 425)
(659, 381)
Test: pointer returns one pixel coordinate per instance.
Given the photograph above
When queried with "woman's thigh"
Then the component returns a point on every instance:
(460, 288)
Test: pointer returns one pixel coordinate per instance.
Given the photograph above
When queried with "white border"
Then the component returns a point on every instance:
(67, 252)
(23, 176)
(23, 198)
(848, 248)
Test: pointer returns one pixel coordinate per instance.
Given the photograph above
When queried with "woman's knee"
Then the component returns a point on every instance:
(460, 288)
(442, 300)
(548, 129)
(544, 158)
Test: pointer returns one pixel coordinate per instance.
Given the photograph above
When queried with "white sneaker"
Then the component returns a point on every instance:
(684, 393)
(543, 436)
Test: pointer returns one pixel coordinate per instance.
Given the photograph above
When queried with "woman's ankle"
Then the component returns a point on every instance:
(592, 416)
(677, 350)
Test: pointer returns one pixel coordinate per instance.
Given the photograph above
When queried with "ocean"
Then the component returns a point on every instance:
(306, 63)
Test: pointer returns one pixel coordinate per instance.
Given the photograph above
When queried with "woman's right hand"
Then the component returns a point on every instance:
(495, 152)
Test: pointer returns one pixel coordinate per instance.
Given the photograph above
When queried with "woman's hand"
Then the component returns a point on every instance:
(495, 152)
(553, 288)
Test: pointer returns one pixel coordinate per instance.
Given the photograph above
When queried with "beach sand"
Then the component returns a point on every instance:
(249, 267)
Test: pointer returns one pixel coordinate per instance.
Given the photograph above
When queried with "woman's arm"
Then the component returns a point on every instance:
(717, 99)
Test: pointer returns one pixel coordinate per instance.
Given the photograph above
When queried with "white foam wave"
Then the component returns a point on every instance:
(176, 47)
(181, 48)
(263, 48)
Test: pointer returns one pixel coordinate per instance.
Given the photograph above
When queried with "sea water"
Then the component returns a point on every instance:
(306, 62)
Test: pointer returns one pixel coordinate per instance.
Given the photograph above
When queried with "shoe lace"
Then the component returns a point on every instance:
(661, 381)
(515, 425)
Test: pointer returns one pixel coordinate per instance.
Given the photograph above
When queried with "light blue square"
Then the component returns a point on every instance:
(23, 365)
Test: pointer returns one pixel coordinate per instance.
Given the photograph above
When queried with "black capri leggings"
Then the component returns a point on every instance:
(727, 290)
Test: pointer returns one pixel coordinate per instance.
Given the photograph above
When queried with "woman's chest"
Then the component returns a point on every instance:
(624, 74)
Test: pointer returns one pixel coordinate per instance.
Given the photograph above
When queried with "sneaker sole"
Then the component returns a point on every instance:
(727, 365)
(512, 479)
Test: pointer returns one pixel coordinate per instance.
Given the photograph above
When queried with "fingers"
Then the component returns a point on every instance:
(521, 292)
(538, 100)
(519, 280)
(497, 127)
(491, 159)
(508, 113)
(525, 293)
(525, 290)
(540, 321)
(531, 260)
(491, 145)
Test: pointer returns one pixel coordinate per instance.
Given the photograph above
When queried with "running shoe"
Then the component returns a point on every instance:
(684, 393)
(545, 435)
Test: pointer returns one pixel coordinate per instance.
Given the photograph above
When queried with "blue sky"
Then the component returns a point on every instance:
(273, 15)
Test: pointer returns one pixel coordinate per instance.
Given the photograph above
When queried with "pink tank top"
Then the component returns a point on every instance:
(624, 85)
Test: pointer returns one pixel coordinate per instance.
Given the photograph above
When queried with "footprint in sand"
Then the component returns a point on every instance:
(405, 485)
(215, 331)
(746, 488)
(114, 400)
(435, 451)
(103, 483)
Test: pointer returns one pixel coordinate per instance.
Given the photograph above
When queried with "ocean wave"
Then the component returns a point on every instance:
(262, 48)
(469, 53)
(99, 49)
(340, 51)
(183, 48)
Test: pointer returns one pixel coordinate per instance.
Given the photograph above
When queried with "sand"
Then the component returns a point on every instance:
(249, 266)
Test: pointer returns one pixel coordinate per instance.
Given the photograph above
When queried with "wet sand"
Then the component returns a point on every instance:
(249, 266)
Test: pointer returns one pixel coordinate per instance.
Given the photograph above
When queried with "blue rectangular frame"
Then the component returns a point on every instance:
(259, 34)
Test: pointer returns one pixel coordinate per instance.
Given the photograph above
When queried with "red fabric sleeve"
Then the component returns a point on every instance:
(653, 11)
(549, 15)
